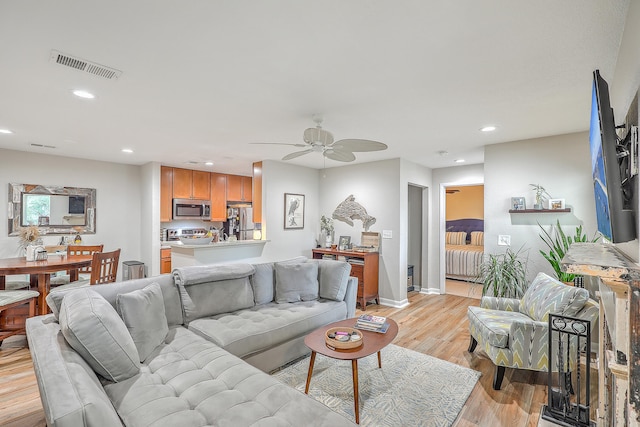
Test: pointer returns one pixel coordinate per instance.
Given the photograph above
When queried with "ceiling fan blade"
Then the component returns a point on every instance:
(341, 156)
(297, 154)
(318, 135)
(278, 143)
(359, 145)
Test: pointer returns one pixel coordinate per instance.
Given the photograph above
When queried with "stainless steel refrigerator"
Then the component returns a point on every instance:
(240, 222)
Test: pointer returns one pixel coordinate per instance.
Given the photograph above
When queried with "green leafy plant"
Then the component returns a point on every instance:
(504, 275)
(541, 194)
(558, 243)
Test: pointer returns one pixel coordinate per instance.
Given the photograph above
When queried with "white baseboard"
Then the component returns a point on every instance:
(430, 291)
(393, 303)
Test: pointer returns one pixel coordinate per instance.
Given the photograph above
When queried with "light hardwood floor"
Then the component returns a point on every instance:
(432, 324)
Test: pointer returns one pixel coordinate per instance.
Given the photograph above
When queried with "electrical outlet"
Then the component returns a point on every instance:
(504, 240)
(387, 234)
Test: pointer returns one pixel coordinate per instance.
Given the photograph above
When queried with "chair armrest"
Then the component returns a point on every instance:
(502, 304)
(350, 296)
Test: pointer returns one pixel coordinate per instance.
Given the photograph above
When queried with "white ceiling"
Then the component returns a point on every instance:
(202, 79)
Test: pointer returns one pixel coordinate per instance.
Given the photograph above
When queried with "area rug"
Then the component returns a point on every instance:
(411, 389)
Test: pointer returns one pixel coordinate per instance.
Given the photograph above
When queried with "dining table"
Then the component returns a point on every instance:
(43, 269)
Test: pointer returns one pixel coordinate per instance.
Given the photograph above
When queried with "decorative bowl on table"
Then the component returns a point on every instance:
(196, 240)
(343, 338)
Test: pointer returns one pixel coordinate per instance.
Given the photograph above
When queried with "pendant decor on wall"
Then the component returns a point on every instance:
(349, 210)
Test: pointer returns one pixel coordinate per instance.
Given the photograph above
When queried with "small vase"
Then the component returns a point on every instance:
(328, 241)
(537, 207)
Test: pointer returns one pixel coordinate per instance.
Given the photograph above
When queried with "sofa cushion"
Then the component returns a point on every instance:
(262, 327)
(263, 280)
(208, 290)
(547, 295)
(492, 326)
(296, 282)
(332, 278)
(93, 328)
(143, 313)
(190, 381)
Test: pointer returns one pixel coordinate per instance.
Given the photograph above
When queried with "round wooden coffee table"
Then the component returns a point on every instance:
(373, 342)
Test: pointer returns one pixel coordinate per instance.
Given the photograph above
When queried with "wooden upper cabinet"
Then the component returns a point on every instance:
(166, 193)
(238, 188)
(201, 185)
(190, 184)
(218, 197)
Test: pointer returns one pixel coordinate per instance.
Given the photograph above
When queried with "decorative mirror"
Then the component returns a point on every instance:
(55, 210)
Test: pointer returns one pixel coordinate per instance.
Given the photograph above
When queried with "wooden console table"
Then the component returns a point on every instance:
(619, 339)
(364, 266)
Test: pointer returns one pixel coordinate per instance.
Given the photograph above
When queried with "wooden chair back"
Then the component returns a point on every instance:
(104, 267)
(83, 250)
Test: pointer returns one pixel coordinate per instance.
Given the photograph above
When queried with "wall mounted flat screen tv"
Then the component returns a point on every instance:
(614, 203)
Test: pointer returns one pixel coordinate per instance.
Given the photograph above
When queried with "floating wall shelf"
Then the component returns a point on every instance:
(537, 211)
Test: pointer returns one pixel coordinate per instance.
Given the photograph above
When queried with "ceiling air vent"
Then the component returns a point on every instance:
(84, 65)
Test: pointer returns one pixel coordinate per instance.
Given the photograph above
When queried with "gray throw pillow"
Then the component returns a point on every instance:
(93, 328)
(143, 313)
(296, 282)
(333, 278)
(263, 280)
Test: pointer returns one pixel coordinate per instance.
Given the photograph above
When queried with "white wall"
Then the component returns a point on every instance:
(561, 164)
(279, 178)
(118, 195)
(150, 217)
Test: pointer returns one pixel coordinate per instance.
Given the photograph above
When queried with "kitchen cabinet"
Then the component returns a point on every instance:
(239, 188)
(218, 197)
(364, 267)
(191, 184)
(165, 260)
(166, 193)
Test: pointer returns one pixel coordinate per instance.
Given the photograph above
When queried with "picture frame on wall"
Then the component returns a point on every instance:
(344, 243)
(555, 204)
(518, 203)
(293, 211)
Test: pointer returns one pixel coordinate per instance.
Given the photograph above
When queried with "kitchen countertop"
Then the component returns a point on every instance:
(220, 245)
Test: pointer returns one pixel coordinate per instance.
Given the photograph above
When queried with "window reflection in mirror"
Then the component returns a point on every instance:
(52, 210)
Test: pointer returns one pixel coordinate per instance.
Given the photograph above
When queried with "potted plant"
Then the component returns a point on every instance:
(326, 227)
(541, 196)
(504, 275)
(558, 244)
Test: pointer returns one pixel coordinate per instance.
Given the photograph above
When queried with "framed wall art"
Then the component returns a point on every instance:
(518, 203)
(293, 211)
(556, 204)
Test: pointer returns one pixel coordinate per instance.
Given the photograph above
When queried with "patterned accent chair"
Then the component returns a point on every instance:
(514, 332)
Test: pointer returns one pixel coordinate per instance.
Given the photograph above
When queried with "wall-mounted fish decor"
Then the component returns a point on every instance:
(349, 210)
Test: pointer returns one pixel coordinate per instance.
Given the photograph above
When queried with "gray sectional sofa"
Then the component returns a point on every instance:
(190, 348)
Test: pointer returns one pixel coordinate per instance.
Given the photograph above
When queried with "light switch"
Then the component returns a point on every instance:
(387, 234)
(504, 240)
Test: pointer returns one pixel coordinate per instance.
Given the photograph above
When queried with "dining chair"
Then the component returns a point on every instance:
(84, 273)
(15, 307)
(104, 269)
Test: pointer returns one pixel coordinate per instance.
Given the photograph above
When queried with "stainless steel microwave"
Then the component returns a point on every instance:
(191, 209)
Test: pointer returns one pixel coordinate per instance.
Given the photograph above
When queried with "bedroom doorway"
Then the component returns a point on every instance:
(416, 251)
(464, 238)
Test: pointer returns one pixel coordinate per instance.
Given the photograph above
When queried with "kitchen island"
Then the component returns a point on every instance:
(214, 253)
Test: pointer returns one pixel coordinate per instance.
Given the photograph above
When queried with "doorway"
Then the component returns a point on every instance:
(463, 222)
(416, 237)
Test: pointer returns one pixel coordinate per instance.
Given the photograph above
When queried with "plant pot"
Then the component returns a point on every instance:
(328, 241)
(537, 206)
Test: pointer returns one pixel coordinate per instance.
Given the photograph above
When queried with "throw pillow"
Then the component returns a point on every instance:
(296, 282)
(93, 328)
(333, 278)
(456, 238)
(477, 238)
(263, 280)
(143, 313)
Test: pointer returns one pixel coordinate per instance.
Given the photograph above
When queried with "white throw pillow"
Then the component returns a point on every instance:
(296, 282)
(93, 328)
(143, 313)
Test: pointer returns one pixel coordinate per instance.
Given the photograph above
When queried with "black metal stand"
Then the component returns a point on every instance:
(566, 405)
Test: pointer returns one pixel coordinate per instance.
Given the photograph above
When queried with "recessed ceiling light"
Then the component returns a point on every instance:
(488, 129)
(7, 131)
(459, 160)
(83, 94)
(208, 163)
(127, 150)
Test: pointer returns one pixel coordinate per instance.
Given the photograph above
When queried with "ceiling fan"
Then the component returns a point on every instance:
(318, 140)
